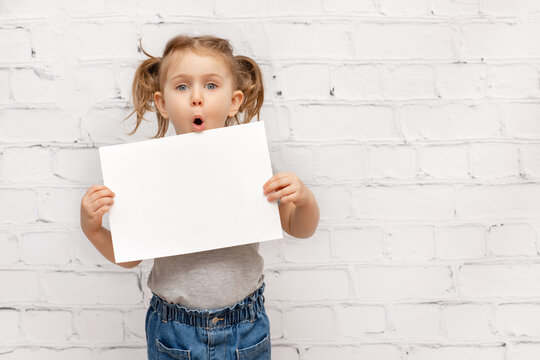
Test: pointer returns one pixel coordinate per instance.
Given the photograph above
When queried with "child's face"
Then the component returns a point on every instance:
(197, 86)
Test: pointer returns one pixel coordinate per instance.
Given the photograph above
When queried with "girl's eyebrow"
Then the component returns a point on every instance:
(187, 76)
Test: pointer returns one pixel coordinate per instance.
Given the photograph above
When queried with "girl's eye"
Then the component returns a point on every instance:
(182, 87)
(211, 86)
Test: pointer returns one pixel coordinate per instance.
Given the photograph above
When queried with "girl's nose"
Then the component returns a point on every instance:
(196, 99)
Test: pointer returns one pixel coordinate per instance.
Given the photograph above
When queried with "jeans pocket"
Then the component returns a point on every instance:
(167, 353)
(259, 351)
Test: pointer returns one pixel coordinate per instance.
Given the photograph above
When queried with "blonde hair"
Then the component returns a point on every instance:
(150, 74)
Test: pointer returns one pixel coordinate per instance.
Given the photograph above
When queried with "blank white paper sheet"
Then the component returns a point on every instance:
(192, 192)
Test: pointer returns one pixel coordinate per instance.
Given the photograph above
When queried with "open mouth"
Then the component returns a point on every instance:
(198, 121)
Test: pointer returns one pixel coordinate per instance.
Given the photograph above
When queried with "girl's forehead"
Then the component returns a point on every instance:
(195, 61)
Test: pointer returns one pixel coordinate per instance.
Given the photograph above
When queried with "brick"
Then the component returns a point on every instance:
(462, 81)
(334, 202)
(84, 250)
(519, 319)
(101, 288)
(9, 243)
(530, 156)
(276, 323)
(514, 280)
(524, 351)
(411, 243)
(9, 331)
(101, 40)
(300, 40)
(27, 165)
(477, 202)
(352, 122)
(15, 45)
(409, 82)
(444, 162)
(173, 8)
(106, 127)
(298, 285)
(155, 36)
(304, 7)
(503, 8)
(460, 242)
(285, 352)
(511, 240)
(356, 82)
(359, 320)
(49, 354)
(451, 121)
(5, 92)
(60, 204)
(299, 158)
(102, 8)
(78, 165)
(139, 353)
(433, 202)
(100, 326)
(342, 162)
(361, 351)
(483, 40)
(396, 8)
(485, 352)
(46, 248)
(346, 7)
(305, 81)
(521, 121)
(358, 244)
(19, 9)
(467, 321)
(396, 162)
(240, 8)
(315, 249)
(404, 41)
(24, 286)
(514, 81)
(455, 8)
(398, 283)
(134, 321)
(35, 86)
(37, 125)
(48, 326)
(26, 210)
(93, 84)
(416, 321)
(304, 323)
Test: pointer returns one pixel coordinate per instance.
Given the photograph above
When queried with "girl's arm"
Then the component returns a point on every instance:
(298, 209)
(94, 204)
(102, 240)
(300, 221)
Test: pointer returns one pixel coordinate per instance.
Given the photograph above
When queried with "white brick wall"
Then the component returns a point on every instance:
(416, 125)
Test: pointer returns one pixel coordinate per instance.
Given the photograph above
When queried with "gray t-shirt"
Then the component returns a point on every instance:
(208, 279)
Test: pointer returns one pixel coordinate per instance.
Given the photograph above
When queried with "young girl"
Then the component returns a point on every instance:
(208, 304)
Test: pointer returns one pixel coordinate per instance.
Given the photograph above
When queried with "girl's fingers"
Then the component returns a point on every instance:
(288, 190)
(100, 194)
(96, 205)
(276, 184)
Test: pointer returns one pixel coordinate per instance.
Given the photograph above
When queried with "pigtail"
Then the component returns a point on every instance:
(145, 84)
(250, 81)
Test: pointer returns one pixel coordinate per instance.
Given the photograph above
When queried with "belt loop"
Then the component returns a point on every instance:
(164, 312)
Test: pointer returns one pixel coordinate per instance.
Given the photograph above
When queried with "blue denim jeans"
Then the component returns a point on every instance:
(239, 332)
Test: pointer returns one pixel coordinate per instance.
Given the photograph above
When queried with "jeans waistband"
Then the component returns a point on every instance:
(246, 309)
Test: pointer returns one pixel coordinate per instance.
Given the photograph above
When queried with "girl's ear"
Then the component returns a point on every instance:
(160, 103)
(236, 101)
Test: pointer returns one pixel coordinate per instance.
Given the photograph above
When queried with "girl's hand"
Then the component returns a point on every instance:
(94, 204)
(288, 187)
